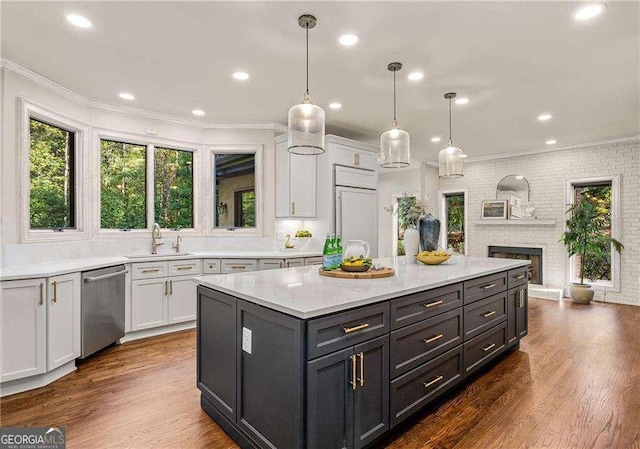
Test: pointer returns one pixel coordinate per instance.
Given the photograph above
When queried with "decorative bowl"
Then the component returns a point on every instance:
(354, 268)
(433, 260)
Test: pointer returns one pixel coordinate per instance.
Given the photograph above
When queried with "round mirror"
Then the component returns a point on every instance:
(514, 189)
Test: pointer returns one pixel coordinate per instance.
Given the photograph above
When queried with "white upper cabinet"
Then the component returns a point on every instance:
(23, 321)
(295, 184)
(354, 157)
(63, 319)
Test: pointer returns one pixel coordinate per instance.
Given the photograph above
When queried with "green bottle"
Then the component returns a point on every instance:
(327, 263)
(332, 252)
(339, 250)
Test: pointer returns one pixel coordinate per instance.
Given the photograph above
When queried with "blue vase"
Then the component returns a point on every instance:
(429, 233)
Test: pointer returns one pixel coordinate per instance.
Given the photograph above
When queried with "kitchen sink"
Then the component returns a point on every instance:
(154, 256)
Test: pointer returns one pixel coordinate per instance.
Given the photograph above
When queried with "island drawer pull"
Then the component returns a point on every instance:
(520, 276)
(361, 355)
(488, 314)
(487, 287)
(353, 372)
(238, 267)
(434, 381)
(431, 304)
(491, 346)
(348, 330)
(434, 338)
(154, 270)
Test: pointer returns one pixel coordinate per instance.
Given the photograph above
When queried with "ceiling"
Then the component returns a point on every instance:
(513, 60)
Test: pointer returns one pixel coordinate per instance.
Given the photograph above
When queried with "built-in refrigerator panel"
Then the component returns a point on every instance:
(356, 216)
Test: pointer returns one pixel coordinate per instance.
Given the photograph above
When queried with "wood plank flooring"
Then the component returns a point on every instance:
(575, 383)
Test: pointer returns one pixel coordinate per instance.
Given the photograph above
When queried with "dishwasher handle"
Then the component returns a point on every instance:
(105, 276)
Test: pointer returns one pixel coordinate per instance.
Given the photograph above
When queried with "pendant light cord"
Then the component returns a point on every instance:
(395, 118)
(450, 121)
(307, 28)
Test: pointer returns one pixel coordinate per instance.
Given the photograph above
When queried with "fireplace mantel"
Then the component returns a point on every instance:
(517, 222)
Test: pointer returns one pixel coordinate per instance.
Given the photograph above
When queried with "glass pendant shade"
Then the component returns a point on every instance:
(306, 128)
(394, 148)
(451, 162)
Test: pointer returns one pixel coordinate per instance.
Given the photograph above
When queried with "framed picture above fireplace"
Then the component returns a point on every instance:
(495, 210)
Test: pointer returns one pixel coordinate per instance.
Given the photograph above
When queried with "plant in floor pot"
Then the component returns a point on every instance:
(587, 236)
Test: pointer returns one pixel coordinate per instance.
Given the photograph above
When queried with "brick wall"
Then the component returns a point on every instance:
(547, 174)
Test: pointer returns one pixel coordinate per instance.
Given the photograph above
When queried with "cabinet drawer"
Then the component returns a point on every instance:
(238, 265)
(271, 264)
(313, 261)
(335, 332)
(418, 306)
(419, 387)
(484, 286)
(184, 267)
(211, 266)
(354, 157)
(148, 270)
(290, 263)
(517, 276)
(484, 348)
(484, 314)
(355, 177)
(413, 345)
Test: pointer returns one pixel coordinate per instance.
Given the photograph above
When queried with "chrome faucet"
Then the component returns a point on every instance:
(176, 244)
(155, 235)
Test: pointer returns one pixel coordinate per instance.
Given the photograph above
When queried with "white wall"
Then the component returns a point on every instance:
(547, 174)
(16, 85)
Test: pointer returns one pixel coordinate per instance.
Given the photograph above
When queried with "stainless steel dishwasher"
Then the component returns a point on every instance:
(102, 306)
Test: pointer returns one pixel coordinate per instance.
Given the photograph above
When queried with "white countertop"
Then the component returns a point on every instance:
(73, 265)
(304, 293)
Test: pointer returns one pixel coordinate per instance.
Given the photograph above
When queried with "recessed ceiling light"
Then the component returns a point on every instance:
(126, 96)
(415, 76)
(242, 76)
(551, 142)
(335, 105)
(463, 156)
(544, 117)
(78, 20)
(348, 39)
(589, 11)
(435, 139)
(462, 100)
(197, 112)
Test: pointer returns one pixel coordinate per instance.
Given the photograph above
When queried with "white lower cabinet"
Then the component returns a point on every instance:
(182, 299)
(63, 319)
(271, 264)
(290, 263)
(149, 303)
(23, 321)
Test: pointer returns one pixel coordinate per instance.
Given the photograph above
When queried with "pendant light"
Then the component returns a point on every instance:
(450, 160)
(306, 120)
(394, 144)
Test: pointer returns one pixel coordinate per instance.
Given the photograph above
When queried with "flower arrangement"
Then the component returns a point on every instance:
(410, 210)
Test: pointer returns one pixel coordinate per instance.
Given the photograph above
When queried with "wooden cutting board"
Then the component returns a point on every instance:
(371, 274)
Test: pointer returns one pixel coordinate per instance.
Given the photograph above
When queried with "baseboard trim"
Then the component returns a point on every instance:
(146, 333)
(37, 381)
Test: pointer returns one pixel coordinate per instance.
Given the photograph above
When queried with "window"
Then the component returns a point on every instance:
(245, 208)
(234, 188)
(403, 203)
(454, 206)
(596, 268)
(173, 194)
(51, 176)
(123, 185)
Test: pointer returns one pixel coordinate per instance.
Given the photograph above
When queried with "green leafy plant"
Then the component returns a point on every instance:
(585, 235)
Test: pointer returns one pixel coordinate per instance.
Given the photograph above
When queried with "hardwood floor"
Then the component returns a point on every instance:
(575, 383)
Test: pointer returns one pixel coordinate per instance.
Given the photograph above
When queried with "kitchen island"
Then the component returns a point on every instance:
(291, 359)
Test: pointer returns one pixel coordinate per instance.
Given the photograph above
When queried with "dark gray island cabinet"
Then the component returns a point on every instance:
(345, 379)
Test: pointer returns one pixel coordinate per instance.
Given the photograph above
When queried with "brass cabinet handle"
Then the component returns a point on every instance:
(520, 276)
(491, 346)
(487, 287)
(353, 372)
(171, 287)
(293, 208)
(41, 293)
(348, 330)
(434, 338)
(211, 266)
(434, 381)
(521, 299)
(431, 304)
(55, 291)
(166, 288)
(488, 314)
(185, 267)
(361, 355)
(155, 270)
(238, 267)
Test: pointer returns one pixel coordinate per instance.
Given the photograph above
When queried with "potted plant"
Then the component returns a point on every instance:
(410, 210)
(586, 237)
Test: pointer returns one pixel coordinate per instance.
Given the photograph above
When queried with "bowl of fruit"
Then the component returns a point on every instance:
(356, 264)
(433, 257)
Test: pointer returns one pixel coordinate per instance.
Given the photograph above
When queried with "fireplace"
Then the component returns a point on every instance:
(513, 252)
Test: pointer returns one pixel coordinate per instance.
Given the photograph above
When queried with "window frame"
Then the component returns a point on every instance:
(150, 143)
(394, 218)
(31, 110)
(208, 189)
(570, 262)
(442, 202)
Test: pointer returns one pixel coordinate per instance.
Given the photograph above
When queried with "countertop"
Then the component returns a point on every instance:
(56, 268)
(304, 293)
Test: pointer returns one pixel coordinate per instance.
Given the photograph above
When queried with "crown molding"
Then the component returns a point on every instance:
(80, 99)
